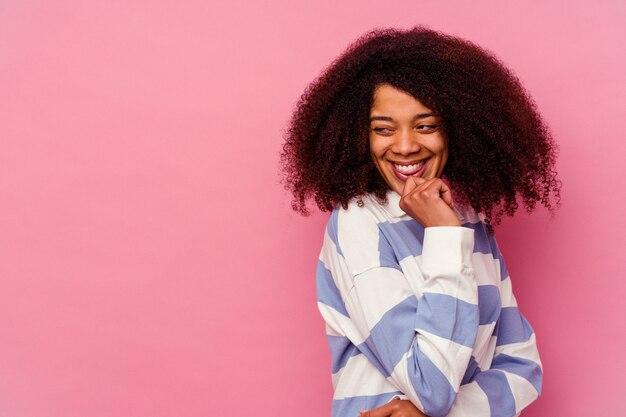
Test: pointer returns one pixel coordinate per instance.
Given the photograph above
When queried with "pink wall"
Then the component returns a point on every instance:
(149, 261)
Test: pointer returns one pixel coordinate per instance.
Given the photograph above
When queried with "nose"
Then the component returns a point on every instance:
(406, 143)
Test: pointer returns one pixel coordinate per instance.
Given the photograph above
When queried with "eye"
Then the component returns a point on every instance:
(382, 130)
(427, 128)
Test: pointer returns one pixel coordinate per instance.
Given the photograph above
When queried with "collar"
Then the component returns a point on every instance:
(393, 204)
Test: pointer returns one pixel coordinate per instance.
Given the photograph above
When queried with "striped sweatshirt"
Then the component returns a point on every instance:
(424, 314)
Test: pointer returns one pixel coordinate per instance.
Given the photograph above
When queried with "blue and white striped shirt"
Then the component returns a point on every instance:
(425, 314)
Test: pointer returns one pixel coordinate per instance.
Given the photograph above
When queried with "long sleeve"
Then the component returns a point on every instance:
(416, 329)
(515, 375)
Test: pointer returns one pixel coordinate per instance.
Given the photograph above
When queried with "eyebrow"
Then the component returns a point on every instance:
(390, 119)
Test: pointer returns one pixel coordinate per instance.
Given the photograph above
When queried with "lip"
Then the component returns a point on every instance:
(402, 177)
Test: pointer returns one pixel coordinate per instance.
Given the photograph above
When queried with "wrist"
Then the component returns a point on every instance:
(449, 224)
(444, 223)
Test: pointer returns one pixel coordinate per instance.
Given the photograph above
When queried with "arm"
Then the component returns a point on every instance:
(515, 376)
(417, 330)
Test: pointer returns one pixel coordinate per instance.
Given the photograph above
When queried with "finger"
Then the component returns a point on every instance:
(439, 189)
(411, 184)
(446, 194)
(431, 188)
(382, 411)
(431, 183)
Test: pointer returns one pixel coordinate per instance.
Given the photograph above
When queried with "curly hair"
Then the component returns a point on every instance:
(499, 146)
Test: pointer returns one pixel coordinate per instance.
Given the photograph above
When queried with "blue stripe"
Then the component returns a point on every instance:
(513, 327)
(391, 338)
(527, 369)
(430, 385)
(504, 273)
(496, 328)
(327, 291)
(481, 238)
(495, 251)
(439, 314)
(406, 237)
(486, 243)
(373, 356)
(488, 303)
(341, 349)
(387, 258)
(332, 228)
(471, 371)
(350, 407)
(499, 395)
(448, 317)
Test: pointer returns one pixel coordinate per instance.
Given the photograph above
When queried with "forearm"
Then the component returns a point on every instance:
(422, 344)
(514, 379)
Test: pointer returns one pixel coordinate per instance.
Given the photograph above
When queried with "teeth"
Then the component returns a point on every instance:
(409, 168)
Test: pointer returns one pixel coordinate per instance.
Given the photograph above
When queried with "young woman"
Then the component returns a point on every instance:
(418, 142)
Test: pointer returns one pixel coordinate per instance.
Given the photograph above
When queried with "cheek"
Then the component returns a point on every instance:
(376, 154)
(375, 150)
(443, 151)
(440, 146)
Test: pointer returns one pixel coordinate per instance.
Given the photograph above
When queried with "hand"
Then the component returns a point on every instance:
(429, 202)
(395, 408)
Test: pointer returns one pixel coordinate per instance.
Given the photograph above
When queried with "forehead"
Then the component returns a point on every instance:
(389, 99)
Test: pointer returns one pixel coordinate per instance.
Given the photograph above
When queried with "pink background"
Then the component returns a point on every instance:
(149, 261)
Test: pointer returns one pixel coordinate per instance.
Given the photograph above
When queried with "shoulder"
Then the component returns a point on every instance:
(484, 241)
(355, 232)
(345, 224)
(467, 214)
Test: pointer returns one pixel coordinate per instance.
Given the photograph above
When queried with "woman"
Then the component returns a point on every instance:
(418, 304)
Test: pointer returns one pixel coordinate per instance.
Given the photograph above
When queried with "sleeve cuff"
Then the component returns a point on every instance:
(398, 397)
(449, 245)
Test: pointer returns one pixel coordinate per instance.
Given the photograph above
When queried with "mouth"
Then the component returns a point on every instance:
(406, 170)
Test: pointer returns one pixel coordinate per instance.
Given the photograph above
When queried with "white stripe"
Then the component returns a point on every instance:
(497, 262)
(448, 245)
(484, 345)
(526, 350)
(360, 377)
(523, 391)
(358, 235)
(486, 269)
(413, 274)
(452, 365)
(335, 263)
(330, 331)
(470, 215)
(506, 293)
(445, 279)
(342, 323)
(377, 291)
(336, 377)
(471, 401)
(401, 375)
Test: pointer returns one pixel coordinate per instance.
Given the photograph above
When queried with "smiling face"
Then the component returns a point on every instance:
(406, 138)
